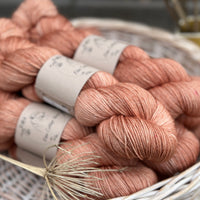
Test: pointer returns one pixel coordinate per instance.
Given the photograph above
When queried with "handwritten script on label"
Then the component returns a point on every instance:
(39, 127)
(100, 53)
(60, 81)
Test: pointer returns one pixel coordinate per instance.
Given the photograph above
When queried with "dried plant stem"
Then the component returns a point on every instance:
(66, 180)
(35, 170)
(49, 186)
(172, 12)
(179, 10)
(196, 13)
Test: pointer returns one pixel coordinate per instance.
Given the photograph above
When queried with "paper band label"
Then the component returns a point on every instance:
(100, 53)
(29, 158)
(60, 81)
(39, 127)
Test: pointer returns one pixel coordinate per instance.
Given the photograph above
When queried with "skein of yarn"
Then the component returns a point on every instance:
(89, 146)
(179, 98)
(134, 64)
(31, 11)
(123, 182)
(192, 123)
(189, 122)
(166, 80)
(12, 44)
(6, 145)
(186, 154)
(11, 110)
(130, 53)
(67, 40)
(18, 72)
(19, 68)
(129, 126)
(47, 25)
(53, 30)
(110, 181)
(127, 117)
(9, 29)
(4, 96)
(12, 39)
(21, 55)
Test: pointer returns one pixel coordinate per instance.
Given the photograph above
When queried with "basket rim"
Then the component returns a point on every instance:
(177, 40)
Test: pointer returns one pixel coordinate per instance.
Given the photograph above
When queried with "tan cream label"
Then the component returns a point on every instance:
(100, 52)
(60, 81)
(39, 127)
(29, 158)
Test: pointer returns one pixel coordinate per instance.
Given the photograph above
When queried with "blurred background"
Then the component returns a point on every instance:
(150, 12)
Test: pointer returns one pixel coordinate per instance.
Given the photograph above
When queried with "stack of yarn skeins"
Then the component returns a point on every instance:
(141, 119)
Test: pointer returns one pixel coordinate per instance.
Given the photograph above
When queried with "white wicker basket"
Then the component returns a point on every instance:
(21, 185)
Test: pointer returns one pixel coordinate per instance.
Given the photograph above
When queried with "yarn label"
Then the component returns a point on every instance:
(60, 81)
(100, 52)
(29, 158)
(39, 127)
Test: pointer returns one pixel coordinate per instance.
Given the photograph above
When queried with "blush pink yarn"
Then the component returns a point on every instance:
(31, 11)
(131, 122)
(125, 104)
(123, 182)
(9, 29)
(90, 146)
(11, 110)
(186, 154)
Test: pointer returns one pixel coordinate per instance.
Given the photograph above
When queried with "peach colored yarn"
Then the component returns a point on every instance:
(167, 81)
(31, 11)
(4, 96)
(48, 25)
(179, 98)
(9, 29)
(92, 146)
(67, 40)
(119, 181)
(6, 145)
(134, 64)
(189, 122)
(18, 56)
(131, 122)
(10, 112)
(12, 44)
(29, 93)
(150, 73)
(196, 131)
(186, 154)
(20, 68)
(123, 182)
(192, 123)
